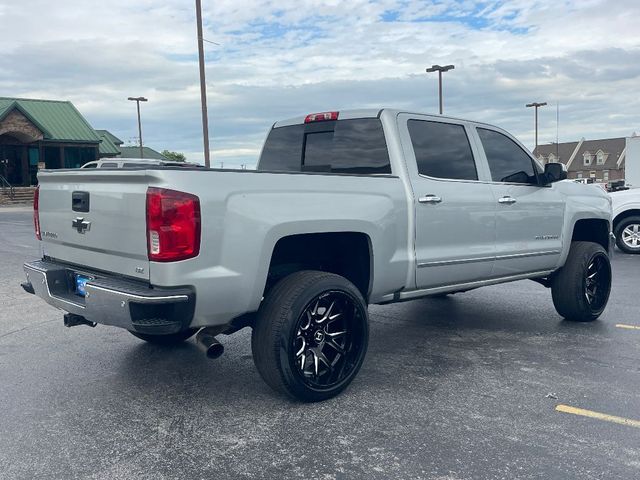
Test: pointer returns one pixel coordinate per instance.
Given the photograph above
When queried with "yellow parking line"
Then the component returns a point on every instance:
(628, 327)
(599, 416)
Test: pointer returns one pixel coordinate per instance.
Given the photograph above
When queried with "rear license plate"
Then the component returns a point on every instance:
(81, 284)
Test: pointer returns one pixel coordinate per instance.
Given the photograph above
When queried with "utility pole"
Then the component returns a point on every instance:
(536, 105)
(138, 100)
(558, 130)
(440, 69)
(203, 86)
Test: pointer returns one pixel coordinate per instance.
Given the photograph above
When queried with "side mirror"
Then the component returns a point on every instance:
(554, 172)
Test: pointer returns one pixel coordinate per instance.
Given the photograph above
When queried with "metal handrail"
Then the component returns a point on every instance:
(5, 185)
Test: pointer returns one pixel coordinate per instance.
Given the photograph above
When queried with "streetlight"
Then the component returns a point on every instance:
(439, 69)
(536, 105)
(203, 85)
(138, 100)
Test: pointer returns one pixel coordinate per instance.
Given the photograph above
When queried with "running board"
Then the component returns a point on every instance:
(425, 292)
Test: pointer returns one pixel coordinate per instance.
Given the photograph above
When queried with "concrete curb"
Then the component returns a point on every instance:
(16, 208)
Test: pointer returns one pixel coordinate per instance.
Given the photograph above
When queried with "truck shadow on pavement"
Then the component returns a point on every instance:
(421, 341)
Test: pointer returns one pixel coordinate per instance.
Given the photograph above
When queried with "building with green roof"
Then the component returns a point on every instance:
(36, 134)
(109, 145)
(42, 134)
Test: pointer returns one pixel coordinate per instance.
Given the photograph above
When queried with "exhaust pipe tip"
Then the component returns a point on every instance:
(208, 343)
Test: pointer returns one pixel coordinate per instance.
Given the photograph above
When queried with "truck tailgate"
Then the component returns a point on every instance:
(96, 219)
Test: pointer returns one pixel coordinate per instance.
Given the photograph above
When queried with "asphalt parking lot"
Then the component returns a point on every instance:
(464, 387)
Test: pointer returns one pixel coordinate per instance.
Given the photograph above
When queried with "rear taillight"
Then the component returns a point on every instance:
(36, 212)
(321, 117)
(173, 225)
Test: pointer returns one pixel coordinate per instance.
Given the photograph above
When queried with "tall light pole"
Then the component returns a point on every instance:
(138, 100)
(536, 105)
(440, 69)
(203, 85)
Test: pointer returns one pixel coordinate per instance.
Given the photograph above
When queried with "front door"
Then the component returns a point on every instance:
(454, 211)
(529, 216)
(11, 157)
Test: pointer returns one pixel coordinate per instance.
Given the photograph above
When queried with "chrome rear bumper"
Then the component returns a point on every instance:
(112, 300)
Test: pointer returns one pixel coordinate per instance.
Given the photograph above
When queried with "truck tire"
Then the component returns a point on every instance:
(628, 235)
(580, 289)
(167, 340)
(311, 335)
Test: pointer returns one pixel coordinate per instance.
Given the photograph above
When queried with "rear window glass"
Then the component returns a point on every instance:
(343, 146)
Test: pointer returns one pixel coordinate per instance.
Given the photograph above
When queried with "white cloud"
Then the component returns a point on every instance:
(285, 58)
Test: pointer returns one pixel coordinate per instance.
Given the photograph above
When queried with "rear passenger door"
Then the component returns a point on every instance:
(529, 216)
(454, 210)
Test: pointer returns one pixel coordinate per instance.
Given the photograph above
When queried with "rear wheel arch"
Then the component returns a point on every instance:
(348, 254)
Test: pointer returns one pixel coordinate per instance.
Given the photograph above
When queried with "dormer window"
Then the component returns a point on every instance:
(600, 157)
(552, 158)
(587, 158)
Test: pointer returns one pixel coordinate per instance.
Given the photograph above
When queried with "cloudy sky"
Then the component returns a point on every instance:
(278, 59)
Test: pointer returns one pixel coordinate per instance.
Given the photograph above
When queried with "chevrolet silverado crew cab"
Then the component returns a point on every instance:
(345, 209)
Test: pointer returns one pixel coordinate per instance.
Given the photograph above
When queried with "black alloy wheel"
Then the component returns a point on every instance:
(327, 340)
(597, 282)
(580, 289)
(311, 335)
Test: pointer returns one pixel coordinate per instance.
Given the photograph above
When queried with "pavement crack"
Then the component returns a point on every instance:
(33, 325)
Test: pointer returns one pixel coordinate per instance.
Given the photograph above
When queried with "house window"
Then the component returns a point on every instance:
(600, 157)
(587, 158)
(552, 158)
(605, 175)
(579, 175)
(592, 174)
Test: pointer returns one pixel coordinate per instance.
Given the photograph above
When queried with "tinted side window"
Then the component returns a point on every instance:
(283, 149)
(91, 165)
(343, 146)
(442, 150)
(507, 161)
(109, 165)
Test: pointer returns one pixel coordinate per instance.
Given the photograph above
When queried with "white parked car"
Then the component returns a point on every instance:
(626, 219)
(135, 163)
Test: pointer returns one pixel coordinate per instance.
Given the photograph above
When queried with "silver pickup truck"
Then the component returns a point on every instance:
(345, 209)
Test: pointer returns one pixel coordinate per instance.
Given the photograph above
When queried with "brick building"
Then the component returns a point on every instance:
(39, 133)
(53, 134)
(603, 160)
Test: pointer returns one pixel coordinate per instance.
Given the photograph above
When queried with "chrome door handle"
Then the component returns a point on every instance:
(507, 199)
(430, 199)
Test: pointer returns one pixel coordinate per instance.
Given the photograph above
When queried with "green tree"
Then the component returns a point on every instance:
(174, 156)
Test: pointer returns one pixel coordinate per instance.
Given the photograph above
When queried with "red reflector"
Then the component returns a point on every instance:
(173, 225)
(36, 212)
(321, 117)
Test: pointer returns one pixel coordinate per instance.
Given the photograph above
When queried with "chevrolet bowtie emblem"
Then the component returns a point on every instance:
(80, 225)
